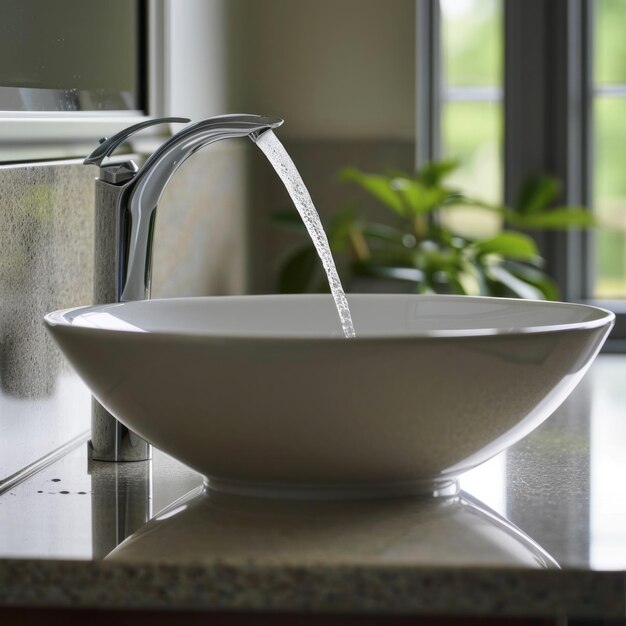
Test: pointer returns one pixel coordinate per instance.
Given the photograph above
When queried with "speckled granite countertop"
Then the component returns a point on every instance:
(78, 535)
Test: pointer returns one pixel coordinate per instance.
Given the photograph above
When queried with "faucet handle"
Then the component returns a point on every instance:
(107, 146)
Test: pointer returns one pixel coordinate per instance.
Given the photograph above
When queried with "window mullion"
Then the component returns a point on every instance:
(570, 73)
(524, 106)
(428, 81)
(547, 117)
(586, 50)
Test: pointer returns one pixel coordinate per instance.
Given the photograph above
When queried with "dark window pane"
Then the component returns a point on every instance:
(69, 55)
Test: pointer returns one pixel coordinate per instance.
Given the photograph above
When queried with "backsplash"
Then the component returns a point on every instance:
(46, 243)
(200, 244)
(46, 263)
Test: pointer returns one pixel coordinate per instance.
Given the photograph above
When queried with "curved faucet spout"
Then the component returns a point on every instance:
(143, 193)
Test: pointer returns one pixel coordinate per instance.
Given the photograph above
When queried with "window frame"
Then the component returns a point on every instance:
(27, 136)
(541, 82)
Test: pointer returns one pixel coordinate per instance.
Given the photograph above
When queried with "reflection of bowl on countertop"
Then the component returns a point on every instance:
(262, 394)
(212, 527)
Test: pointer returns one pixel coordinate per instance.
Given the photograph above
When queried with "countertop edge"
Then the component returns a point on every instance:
(322, 588)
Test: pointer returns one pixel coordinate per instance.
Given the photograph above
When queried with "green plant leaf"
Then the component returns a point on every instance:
(433, 258)
(535, 277)
(448, 282)
(423, 252)
(377, 186)
(406, 274)
(518, 287)
(434, 172)
(471, 279)
(510, 245)
(457, 200)
(289, 220)
(418, 198)
(341, 226)
(384, 232)
(344, 219)
(558, 218)
(537, 193)
(299, 270)
(484, 284)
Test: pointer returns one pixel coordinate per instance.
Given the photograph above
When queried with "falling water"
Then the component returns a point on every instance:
(282, 163)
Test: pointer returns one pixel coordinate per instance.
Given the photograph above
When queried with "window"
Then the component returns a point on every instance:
(472, 106)
(61, 56)
(519, 88)
(74, 70)
(471, 125)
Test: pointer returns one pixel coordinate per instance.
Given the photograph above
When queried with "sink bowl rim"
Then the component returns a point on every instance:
(65, 318)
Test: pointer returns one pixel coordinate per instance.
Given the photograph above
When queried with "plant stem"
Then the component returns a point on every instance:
(420, 227)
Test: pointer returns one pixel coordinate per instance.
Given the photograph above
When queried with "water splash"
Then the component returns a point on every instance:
(286, 170)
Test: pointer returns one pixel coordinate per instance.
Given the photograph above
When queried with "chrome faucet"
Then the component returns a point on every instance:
(126, 200)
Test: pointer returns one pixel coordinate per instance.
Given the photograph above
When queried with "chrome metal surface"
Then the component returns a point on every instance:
(108, 145)
(118, 173)
(142, 194)
(121, 502)
(125, 206)
(110, 440)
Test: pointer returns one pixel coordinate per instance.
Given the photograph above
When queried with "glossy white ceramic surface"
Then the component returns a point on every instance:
(263, 395)
(457, 531)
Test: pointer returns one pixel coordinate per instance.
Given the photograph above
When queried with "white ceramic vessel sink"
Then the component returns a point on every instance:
(263, 395)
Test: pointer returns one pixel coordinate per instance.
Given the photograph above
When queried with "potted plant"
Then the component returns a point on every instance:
(418, 248)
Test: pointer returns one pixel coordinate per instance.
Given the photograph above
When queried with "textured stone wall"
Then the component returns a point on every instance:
(46, 242)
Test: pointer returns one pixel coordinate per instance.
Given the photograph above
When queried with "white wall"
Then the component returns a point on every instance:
(331, 68)
(196, 64)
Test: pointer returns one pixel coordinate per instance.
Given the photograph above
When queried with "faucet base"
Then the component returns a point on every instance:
(112, 441)
(143, 455)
